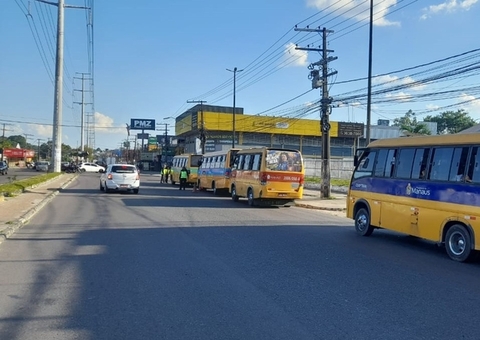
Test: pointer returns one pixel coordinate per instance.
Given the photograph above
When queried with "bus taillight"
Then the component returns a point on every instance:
(263, 177)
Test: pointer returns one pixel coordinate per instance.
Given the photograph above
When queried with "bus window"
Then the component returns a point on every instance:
(257, 158)
(473, 173)
(420, 164)
(440, 167)
(365, 166)
(380, 163)
(404, 163)
(246, 164)
(457, 169)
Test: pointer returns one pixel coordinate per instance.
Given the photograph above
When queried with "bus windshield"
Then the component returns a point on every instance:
(284, 160)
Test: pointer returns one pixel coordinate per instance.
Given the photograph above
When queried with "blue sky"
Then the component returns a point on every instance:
(151, 56)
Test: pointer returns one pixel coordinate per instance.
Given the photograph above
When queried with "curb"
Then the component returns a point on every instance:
(25, 218)
(309, 206)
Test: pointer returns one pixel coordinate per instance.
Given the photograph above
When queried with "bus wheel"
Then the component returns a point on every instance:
(251, 200)
(458, 243)
(234, 194)
(362, 222)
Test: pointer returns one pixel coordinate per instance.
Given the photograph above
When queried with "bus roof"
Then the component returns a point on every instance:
(266, 148)
(217, 153)
(451, 139)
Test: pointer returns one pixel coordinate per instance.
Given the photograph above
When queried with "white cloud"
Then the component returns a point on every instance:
(44, 131)
(295, 57)
(400, 96)
(472, 104)
(104, 124)
(432, 107)
(358, 9)
(449, 6)
(394, 81)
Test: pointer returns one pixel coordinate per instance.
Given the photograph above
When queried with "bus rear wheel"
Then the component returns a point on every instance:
(362, 222)
(234, 194)
(251, 199)
(458, 244)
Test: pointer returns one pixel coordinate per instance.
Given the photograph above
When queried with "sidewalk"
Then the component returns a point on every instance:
(335, 205)
(17, 211)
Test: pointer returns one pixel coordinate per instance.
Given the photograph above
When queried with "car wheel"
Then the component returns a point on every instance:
(458, 243)
(234, 194)
(362, 222)
(251, 199)
(82, 170)
(135, 191)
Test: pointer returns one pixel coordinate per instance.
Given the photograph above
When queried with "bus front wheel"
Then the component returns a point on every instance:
(251, 199)
(362, 222)
(458, 243)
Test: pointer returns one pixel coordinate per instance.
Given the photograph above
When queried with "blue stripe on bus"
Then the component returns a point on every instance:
(447, 192)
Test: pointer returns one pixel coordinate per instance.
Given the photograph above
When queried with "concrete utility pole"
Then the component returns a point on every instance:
(325, 108)
(235, 70)
(82, 123)
(38, 148)
(369, 95)
(3, 138)
(57, 104)
(203, 137)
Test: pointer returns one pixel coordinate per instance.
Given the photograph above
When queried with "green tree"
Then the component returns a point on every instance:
(18, 139)
(451, 121)
(409, 124)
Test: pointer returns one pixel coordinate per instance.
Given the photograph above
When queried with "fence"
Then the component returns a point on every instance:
(340, 168)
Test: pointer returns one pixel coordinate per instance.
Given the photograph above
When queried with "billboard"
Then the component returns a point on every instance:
(142, 124)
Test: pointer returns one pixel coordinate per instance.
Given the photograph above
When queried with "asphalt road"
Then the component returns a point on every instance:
(18, 174)
(170, 264)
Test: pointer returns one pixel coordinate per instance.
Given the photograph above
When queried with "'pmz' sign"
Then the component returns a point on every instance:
(142, 124)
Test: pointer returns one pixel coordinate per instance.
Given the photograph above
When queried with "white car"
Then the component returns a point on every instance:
(120, 177)
(42, 166)
(91, 167)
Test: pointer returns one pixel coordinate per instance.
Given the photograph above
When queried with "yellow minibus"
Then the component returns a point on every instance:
(215, 170)
(268, 176)
(189, 161)
(428, 187)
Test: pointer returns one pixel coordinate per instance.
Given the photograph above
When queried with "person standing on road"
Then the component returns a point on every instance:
(163, 178)
(183, 178)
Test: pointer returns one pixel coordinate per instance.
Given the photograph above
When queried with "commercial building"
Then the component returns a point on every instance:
(212, 127)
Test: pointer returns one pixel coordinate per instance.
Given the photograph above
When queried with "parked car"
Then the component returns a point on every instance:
(120, 177)
(42, 166)
(3, 168)
(91, 167)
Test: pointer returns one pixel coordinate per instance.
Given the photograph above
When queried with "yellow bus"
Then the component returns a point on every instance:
(215, 170)
(268, 176)
(428, 187)
(190, 161)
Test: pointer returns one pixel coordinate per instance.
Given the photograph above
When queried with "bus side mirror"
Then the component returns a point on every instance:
(355, 161)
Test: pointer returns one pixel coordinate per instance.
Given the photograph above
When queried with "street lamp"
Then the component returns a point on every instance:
(235, 70)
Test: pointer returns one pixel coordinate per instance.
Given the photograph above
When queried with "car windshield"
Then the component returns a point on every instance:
(123, 169)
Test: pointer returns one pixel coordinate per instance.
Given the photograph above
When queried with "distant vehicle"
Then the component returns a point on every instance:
(3, 168)
(91, 167)
(215, 170)
(188, 161)
(120, 177)
(267, 176)
(42, 166)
